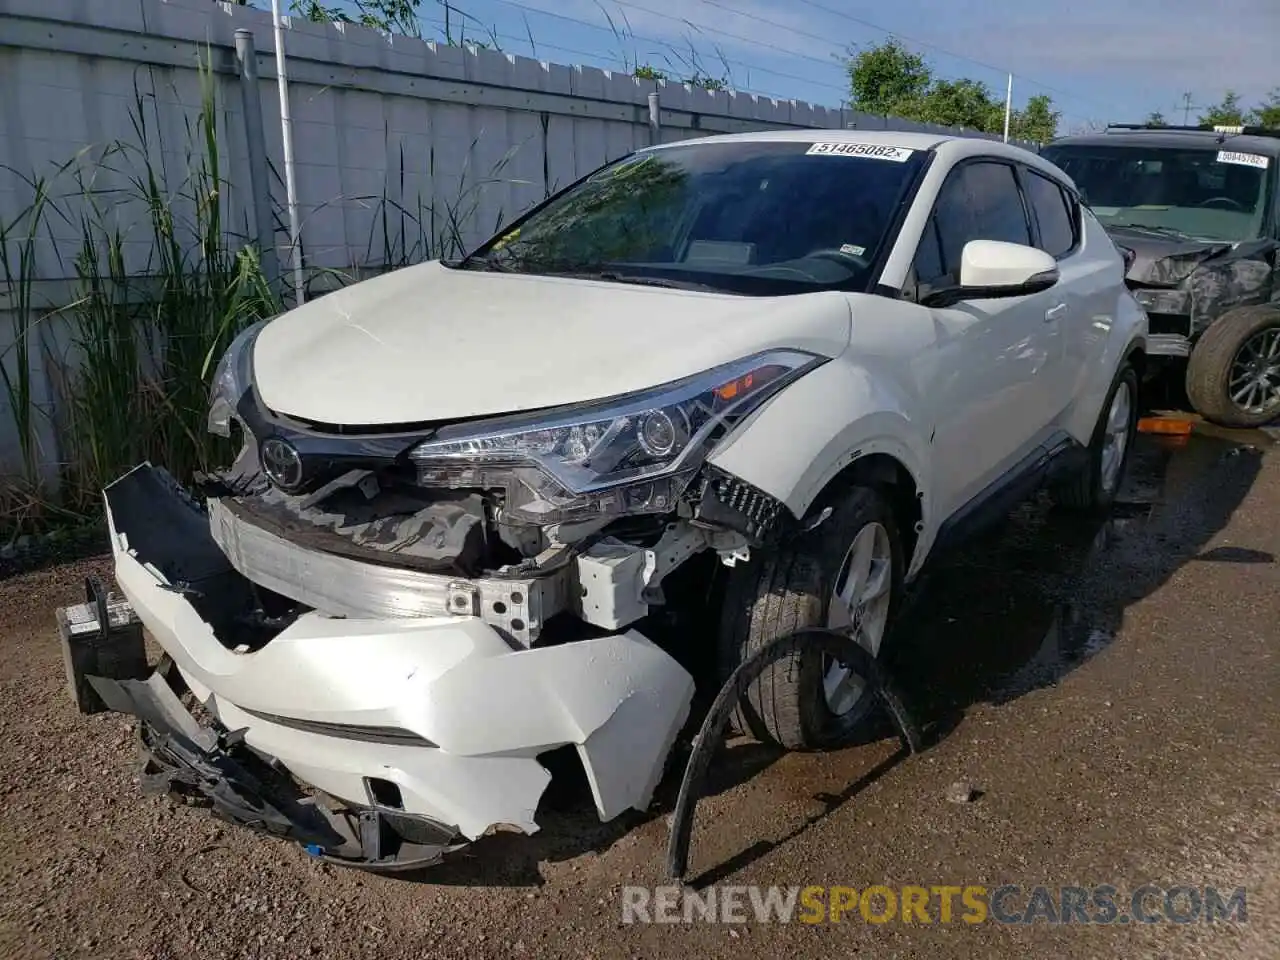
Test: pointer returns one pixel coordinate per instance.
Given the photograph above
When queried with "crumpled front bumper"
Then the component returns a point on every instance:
(443, 709)
(248, 788)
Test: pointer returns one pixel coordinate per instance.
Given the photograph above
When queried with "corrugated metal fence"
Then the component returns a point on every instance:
(404, 149)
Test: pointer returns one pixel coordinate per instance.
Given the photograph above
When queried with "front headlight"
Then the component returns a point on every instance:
(631, 454)
(231, 379)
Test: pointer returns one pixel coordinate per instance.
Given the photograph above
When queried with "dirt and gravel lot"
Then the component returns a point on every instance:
(1112, 689)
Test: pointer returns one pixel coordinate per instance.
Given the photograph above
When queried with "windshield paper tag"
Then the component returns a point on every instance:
(896, 154)
(1243, 159)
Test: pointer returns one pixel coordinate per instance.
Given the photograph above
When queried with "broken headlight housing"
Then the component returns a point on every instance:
(627, 455)
(232, 378)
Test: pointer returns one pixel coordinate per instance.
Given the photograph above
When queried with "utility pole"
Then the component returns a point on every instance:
(1186, 109)
(1008, 107)
(290, 178)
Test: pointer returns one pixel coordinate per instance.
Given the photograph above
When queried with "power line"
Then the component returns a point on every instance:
(437, 22)
(666, 16)
(808, 36)
(828, 62)
(672, 47)
(669, 47)
(749, 16)
(893, 33)
(611, 59)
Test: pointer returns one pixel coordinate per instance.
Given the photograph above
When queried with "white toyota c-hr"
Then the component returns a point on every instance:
(714, 392)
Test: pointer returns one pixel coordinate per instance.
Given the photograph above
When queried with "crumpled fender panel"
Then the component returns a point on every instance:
(825, 419)
(1204, 279)
(486, 710)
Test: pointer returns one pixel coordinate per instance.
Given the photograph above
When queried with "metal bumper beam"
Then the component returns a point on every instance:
(341, 586)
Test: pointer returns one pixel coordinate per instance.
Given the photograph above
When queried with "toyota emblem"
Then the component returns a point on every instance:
(282, 463)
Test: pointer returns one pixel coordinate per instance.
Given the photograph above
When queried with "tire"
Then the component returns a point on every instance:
(790, 588)
(1209, 371)
(1094, 486)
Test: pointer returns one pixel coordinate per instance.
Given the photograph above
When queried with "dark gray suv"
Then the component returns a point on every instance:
(1197, 212)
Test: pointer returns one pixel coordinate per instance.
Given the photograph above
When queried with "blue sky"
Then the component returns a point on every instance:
(1099, 59)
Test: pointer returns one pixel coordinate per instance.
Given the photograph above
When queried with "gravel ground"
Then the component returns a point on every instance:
(1111, 690)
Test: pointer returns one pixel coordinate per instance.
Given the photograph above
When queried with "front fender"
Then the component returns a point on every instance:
(1108, 348)
(800, 441)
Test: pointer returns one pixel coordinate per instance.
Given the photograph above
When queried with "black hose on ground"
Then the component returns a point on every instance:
(838, 646)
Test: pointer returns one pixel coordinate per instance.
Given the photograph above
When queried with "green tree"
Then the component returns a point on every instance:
(1228, 113)
(1156, 119)
(962, 103)
(1268, 112)
(1037, 121)
(888, 80)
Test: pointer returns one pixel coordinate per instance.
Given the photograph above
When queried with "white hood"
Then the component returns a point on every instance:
(430, 343)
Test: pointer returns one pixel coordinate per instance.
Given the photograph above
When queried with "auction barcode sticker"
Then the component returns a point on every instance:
(875, 151)
(1244, 159)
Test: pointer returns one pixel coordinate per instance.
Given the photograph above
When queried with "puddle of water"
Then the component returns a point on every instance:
(1073, 637)
(1260, 437)
(1027, 604)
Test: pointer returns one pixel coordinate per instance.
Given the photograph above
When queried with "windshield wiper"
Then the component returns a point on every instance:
(487, 263)
(614, 277)
(1168, 231)
(553, 270)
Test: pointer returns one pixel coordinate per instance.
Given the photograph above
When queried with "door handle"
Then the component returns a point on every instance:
(1055, 313)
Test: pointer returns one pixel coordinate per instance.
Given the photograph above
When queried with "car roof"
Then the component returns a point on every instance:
(950, 147)
(880, 138)
(1157, 137)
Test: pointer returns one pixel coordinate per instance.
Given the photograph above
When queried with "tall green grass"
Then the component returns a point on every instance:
(19, 241)
(142, 336)
(145, 336)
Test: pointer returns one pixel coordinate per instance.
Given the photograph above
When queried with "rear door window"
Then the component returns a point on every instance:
(1055, 215)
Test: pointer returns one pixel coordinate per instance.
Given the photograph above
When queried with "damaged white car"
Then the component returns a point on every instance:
(527, 502)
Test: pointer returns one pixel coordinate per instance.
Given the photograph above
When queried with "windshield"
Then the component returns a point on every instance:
(1205, 194)
(758, 218)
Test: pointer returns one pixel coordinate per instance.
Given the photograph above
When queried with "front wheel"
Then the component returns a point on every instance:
(1233, 376)
(844, 574)
(1098, 481)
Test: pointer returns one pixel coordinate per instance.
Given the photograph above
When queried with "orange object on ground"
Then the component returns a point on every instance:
(1166, 425)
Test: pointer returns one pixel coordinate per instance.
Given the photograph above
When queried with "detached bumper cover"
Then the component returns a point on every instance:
(250, 790)
(443, 708)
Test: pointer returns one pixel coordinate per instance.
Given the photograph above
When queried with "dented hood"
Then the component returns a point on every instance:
(1165, 259)
(1205, 277)
(433, 343)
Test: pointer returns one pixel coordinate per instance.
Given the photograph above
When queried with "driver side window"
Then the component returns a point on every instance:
(979, 201)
